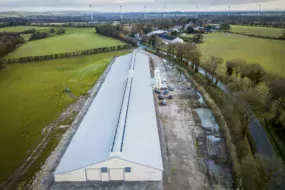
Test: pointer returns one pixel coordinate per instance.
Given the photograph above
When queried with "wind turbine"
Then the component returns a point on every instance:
(229, 13)
(259, 7)
(145, 12)
(197, 11)
(164, 12)
(121, 12)
(91, 14)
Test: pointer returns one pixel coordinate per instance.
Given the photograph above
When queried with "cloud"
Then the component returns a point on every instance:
(211, 2)
(136, 5)
(101, 2)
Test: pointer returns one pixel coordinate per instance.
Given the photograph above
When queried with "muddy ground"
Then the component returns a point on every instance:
(183, 142)
(184, 166)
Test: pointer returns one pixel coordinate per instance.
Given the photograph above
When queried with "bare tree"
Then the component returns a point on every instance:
(245, 104)
(230, 68)
(254, 72)
(158, 44)
(180, 51)
(277, 96)
(196, 59)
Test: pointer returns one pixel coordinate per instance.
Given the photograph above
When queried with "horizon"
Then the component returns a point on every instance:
(138, 5)
(95, 11)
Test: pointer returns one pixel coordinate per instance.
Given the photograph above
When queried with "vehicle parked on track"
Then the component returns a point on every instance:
(161, 97)
(157, 91)
(163, 103)
(170, 97)
(165, 92)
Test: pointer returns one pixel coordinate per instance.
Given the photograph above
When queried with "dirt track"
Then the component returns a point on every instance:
(184, 167)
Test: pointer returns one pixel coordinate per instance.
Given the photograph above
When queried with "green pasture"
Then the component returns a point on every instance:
(259, 31)
(75, 39)
(268, 53)
(33, 95)
(22, 28)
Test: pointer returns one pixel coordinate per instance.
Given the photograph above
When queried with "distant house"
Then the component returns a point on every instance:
(199, 29)
(176, 28)
(190, 24)
(156, 32)
(170, 39)
(115, 23)
(137, 35)
(218, 27)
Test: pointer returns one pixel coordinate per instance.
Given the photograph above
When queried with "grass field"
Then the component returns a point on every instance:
(75, 39)
(268, 53)
(22, 28)
(32, 96)
(259, 31)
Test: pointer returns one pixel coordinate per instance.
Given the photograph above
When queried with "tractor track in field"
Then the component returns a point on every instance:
(81, 106)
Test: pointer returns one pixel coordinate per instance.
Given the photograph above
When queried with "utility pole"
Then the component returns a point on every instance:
(229, 13)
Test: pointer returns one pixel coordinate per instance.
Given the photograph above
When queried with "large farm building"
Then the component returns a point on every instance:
(118, 138)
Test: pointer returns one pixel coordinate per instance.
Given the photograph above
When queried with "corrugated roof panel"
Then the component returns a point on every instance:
(93, 140)
(141, 142)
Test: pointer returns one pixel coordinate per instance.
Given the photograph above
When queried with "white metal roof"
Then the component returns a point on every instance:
(156, 32)
(124, 93)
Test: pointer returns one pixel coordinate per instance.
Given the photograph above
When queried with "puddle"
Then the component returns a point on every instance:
(201, 99)
(207, 118)
(221, 85)
(216, 155)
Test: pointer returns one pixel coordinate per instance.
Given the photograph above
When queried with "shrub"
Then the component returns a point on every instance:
(190, 30)
(174, 33)
(52, 31)
(60, 31)
(38, 35)
(198, 38)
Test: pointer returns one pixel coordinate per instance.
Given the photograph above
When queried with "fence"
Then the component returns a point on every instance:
(63, 55)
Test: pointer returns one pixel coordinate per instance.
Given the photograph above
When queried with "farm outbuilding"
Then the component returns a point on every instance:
(118, 138)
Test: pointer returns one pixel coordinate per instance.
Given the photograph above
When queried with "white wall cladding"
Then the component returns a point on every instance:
(118, 131)
(116, 171)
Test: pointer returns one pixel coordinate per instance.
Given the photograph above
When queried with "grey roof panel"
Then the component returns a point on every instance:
(93, 140)
(95, 136)
(141, 142)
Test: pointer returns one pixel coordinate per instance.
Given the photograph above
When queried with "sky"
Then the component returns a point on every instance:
(138, 5)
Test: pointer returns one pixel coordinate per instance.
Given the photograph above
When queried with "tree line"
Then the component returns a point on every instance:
(8, 42)
(42, 35)
(262, 20)
(281, 37)
(63, 55)
(115, 32)
(237, 107)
